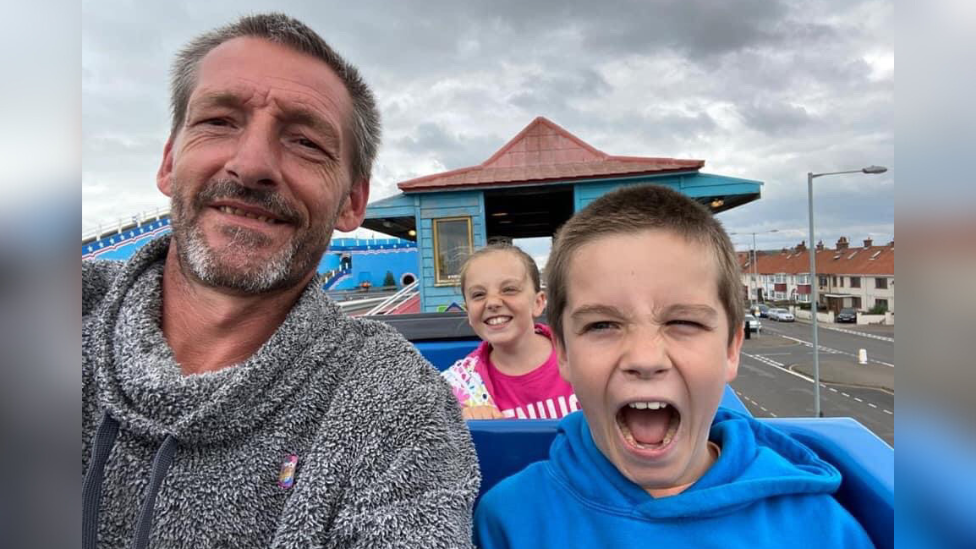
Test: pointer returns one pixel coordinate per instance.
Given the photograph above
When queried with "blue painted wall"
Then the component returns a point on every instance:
(371, 258)
(439, 205)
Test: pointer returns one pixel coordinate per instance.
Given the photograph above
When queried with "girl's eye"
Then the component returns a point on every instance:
(476, 295)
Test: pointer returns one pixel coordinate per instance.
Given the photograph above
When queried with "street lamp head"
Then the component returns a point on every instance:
(875, 169)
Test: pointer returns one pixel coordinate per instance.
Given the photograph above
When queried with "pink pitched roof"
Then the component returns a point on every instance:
(544, 151)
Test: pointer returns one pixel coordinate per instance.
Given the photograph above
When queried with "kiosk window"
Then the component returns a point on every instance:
(453, 243)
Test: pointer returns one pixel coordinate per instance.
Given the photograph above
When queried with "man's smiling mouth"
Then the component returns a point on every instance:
(264, 218)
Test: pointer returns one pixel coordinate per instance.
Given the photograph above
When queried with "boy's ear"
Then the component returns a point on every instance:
(561, 359)
(732, 360)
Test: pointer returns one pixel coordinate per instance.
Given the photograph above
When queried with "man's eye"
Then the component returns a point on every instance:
(511, 290)
(476, 295)
(308, 144)
(218, 122)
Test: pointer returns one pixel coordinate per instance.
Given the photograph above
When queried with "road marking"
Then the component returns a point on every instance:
(832, 351)
(778, 365)
(862, 334)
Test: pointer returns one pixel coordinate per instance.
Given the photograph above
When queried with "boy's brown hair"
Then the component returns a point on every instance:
(530, 267)
(631, 210)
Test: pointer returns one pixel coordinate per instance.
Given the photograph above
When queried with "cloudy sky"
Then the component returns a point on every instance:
(762, 89)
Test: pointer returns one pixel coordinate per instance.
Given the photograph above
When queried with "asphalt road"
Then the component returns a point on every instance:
(776, 374)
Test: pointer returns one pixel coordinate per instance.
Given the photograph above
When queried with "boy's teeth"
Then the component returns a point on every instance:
(652, 405)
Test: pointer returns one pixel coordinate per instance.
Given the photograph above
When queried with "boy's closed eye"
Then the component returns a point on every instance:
(599, 326)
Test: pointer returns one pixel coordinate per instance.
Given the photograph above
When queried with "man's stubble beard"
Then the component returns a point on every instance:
(285, 268)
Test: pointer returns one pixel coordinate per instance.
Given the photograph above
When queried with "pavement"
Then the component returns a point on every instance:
(884, 332)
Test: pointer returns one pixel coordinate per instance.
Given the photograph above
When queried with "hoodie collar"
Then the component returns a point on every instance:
(757, 462)
(140, 384)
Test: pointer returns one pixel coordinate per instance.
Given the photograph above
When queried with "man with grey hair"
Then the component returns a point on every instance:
(227, 401)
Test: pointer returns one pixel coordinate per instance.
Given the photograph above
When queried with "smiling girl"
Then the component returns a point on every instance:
(513, 373)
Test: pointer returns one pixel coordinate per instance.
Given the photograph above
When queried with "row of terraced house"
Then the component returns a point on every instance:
(861, 277)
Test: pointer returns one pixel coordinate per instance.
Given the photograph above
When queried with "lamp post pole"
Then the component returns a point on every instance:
(815, 282)
(754, 254)
(755, 280)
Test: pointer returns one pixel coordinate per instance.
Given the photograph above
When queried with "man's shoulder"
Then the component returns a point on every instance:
(376, 345)
(97, 276)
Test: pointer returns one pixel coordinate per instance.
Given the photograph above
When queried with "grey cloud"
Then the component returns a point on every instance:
(775, 118)
(450, 76)
(453, 150)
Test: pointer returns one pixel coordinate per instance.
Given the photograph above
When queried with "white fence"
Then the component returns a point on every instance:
(862, 318)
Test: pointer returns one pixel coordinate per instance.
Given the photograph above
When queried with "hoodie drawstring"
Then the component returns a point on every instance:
(91, 492)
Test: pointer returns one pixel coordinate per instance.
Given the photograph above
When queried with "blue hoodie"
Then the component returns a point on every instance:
(765, 490)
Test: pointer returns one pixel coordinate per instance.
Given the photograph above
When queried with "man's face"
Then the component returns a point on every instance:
(260, 172)
(643, 326)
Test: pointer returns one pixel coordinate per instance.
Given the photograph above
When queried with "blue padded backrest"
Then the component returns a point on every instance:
(444, 353)
(866, 462)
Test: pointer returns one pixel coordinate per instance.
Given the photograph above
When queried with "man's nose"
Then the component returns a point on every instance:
(645, 354)
(255, 162)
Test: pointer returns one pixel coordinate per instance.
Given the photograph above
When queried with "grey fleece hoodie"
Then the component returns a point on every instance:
(384, 457)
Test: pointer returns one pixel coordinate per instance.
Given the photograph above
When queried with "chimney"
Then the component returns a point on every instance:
(868, 242)
(842, 243)
(802, 246)
(820, 246)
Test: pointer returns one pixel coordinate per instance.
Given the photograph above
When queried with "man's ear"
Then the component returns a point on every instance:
(354, 208)
(164, 177)
(732, 359)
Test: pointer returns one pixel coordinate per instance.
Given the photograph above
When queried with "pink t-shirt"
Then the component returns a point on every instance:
(539, 394)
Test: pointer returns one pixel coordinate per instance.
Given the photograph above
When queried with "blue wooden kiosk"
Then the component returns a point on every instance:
(529, 188)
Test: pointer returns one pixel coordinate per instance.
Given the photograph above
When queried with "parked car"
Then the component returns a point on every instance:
(847, 315)
(781, 315)
(753, 324)
(761, 310)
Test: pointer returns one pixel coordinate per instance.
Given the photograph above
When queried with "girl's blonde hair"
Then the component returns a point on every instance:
(530, 267)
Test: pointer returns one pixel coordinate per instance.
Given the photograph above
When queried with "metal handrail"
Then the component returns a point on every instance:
(401, 295)
(140, 218)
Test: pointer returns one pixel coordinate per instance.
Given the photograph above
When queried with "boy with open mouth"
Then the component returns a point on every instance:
(646, 310)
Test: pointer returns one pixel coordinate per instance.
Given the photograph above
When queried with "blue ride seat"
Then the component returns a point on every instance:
(866, 462)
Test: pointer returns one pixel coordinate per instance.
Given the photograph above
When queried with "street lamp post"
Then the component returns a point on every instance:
(755, 257)
(815, 282)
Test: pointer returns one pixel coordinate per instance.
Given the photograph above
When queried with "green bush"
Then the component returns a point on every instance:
(878, 309)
